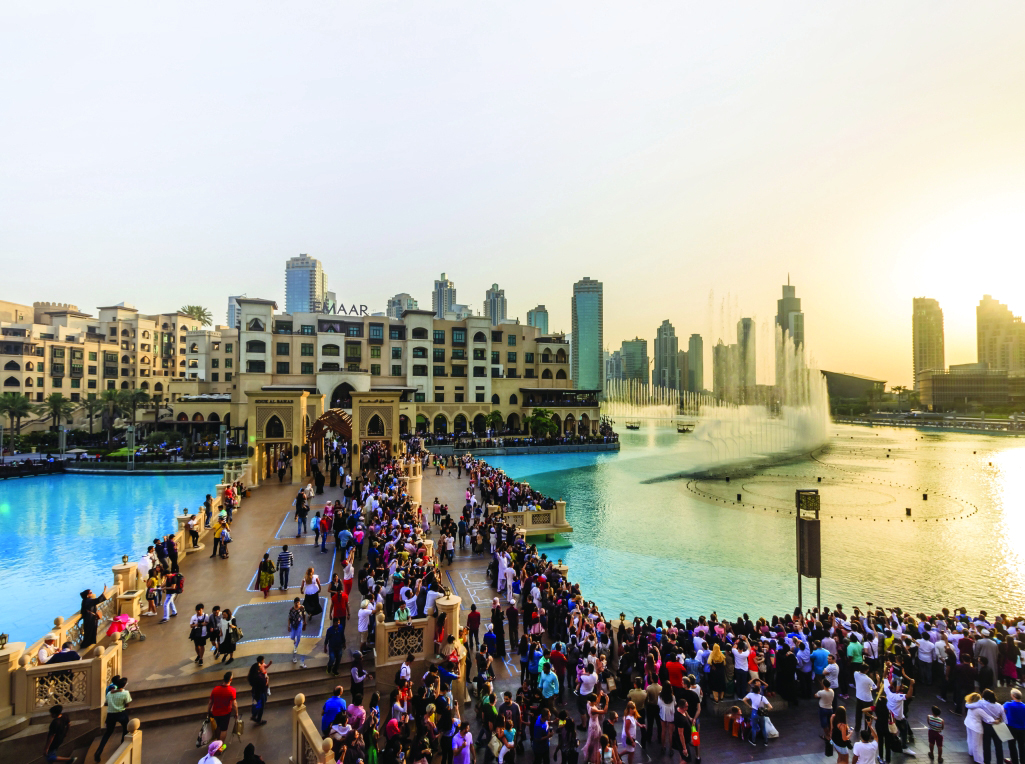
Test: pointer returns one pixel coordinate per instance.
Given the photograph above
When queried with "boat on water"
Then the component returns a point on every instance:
(633, 425)
(684, 429)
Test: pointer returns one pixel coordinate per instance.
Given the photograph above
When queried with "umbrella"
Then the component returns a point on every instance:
(77, 451)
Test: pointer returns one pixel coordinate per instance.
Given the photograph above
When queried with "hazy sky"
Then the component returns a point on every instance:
(690, 156)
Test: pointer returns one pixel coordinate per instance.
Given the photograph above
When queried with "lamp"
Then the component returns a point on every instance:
(124, 559)
(3, 641)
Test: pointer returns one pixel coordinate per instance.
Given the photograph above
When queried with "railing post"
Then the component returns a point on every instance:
(297, 732)
(560, 512)
(449, 605)
(381, 637)
(9, 665)
(19, 686)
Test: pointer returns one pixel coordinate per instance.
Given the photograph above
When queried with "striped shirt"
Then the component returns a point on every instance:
(285, 560)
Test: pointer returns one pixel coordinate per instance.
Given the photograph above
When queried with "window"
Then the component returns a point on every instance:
(458, 354)
(56, 370)
(306, 349)
(90, 384)
(306, 368)
(528, 357)
(333, 350)
(194, 348)
(396, 354)
(254, 325)
(58, 352)
(228, 347)
(458, 371)
(395, 333)
(419, 352)
(375, 351)
(58, 381)
(227, 363)
(215, 377)
(459, 336)
(256, 346)
(282, 367)
(513, 400)
(215, 363)
(419, 397)
(419, 333)
(439, 397)
(439, 355)
(40, 381)
(496, 356)
(282, 348)
(529, 374)
(419, 371)
(92, 356)
(92, 370)
(480, 354)
(439, 337)
(439, 371)
(353, 350)
(460, 397)
(480, 337)
(480, 371)
(511, 356)
(376, 332)
(495, 400)
(375, 369)
(354, 330)
(479, 397)
(256, 367)
(396, 370)
(227, 377)
(496, 336)
(40, 366)
(512, 340)
(76, 383)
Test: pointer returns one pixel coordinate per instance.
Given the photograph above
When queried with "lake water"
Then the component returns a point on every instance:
(61, 534)
(682, 547)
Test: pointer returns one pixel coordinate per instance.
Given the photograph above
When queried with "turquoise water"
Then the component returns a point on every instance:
(62, 534)
(665, 548)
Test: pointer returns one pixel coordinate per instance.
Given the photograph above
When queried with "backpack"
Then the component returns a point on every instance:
(179, 583)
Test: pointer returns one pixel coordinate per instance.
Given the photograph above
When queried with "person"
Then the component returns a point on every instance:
(825, 696)
(864, 687)
(895, 705)
(935, 724)
(463, 751)
(1014, 711)
(607, 753)
(259, 683)
(249, 756)
(48, 650)
(628, 736)
(473, 625)
(117, 713)
(55, 736)
(717, 673)
(198, 633)
(548, 683)
(173, 585)
(541, 734)
(212, 750)
(223, 703)
(311, 600)
(285, 563)
(230, 637)
(90, 615)
(363, 616)
(973, 726)
(992, 713)
(759, 705)
(866, 750)
(840, 734)
(265, 574)
(666, 715)
(296, 624)
(333, 706)
(334, 645)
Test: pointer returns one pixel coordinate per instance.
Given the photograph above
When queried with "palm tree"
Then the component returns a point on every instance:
(197, 313)
(130, 400)
(57, 407)
(15, 406)
(112, 403)
(92, 406)
(899, 390)
(493, 420)
(540, 422)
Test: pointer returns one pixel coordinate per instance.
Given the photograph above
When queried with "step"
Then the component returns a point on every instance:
(27, 745)
(12, 725)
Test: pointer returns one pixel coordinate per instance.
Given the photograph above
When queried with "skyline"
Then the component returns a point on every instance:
(669, 152)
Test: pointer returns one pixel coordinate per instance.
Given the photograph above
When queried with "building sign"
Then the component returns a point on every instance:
(339, 309)
(289, 401)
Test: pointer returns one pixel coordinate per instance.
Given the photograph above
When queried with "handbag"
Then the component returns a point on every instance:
(240, 727)
(829, 747)
(495, 746)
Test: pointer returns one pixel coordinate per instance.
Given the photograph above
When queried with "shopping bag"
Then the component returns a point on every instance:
(206, 733)
(770, 731)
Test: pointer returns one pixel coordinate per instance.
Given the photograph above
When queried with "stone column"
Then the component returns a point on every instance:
(218, 501)
(415, 483)
(560, 513)
(8, 665)
(126, 577)
(450, 606)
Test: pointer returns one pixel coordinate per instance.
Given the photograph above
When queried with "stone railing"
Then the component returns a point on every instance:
(537, 522)
(308, 747)
(397, 639)
(76, 685)
(130, 750)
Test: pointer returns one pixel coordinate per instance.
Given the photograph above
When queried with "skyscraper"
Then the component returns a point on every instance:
(666, 372)
(695, 364)
(926, 336)
(635, 359)
(400, 303)
(443, 297)
(305, 284)
(538, 317)
(746, 358)
(588, 316)
(234, 312)
(790, 321)
(683, 369)
(1000, 335)
(494, 305)
(613, 365)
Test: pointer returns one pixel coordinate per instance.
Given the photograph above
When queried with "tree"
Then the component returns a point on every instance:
(493, 420)
(131, 400)
(899, 390)
(197, 313)
(15, 406)
(92, 406)
(112, 402)
(540, 423)
(57, 407)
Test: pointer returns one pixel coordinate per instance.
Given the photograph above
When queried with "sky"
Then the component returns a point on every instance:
(691, 156)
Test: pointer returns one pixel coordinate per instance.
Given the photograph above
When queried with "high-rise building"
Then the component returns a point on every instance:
(234, 316)
(725, 377)
(494, 305)
(1001, 336)
(746, 358)
(926, 336)
(443, 297)
(790, 321)
(538, 317)
(613, 365)
(305, 284)
(588, 341)
(682, 369)
(399, 304)
(635, 359)
(695, 364)
(666, 372)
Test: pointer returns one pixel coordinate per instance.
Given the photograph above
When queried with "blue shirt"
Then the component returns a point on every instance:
(535, 658)
(819, 659)
(549, 684)
(334, 706)
(1015, 711)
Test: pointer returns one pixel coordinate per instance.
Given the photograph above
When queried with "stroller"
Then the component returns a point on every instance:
(127, 627)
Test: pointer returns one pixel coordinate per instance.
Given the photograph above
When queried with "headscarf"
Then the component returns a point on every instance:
(716, 656)
(249, 756)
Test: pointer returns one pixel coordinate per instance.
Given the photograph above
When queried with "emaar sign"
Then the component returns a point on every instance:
(339, 309)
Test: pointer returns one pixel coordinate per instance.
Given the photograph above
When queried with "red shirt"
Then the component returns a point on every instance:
(675, 669)
(222, 699)
(473, 620)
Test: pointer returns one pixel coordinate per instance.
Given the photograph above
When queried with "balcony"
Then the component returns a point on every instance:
(77, 370)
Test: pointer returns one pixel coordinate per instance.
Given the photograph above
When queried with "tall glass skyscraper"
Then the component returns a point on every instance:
(538, 317)
(305, 284)
(588, 316)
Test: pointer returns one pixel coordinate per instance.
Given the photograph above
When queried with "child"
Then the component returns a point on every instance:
(935, 724)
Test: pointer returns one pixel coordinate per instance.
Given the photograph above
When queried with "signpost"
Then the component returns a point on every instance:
(130, 430)
(809, 543)
(222, 443)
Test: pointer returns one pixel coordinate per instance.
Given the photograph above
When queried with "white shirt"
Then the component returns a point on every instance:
(45, 653)
(755, 700)
(895, 703)
(432, 597)
(863, 686)
(587, 683)
(925, 650)
(740, 659)
(865, 753)
(198, 620)
(363, 619)
(832, 673)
